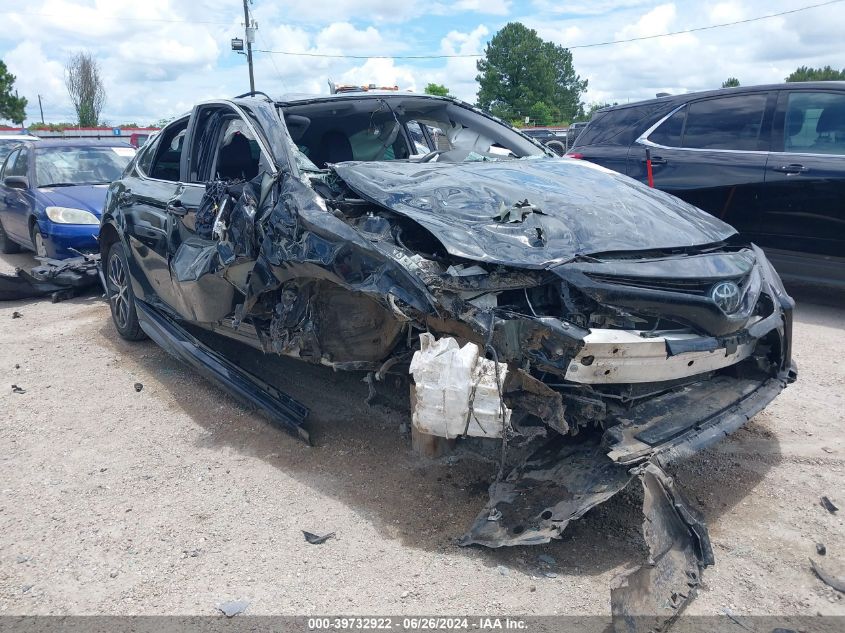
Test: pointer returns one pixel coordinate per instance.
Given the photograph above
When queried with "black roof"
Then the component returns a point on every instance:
(683, 98)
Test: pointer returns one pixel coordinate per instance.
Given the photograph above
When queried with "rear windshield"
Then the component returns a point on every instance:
(80, 165)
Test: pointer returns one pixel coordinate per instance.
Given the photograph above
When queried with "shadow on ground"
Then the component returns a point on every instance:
(361, 459)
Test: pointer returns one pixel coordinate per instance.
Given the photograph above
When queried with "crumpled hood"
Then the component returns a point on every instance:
(86, 197)
(579, 208)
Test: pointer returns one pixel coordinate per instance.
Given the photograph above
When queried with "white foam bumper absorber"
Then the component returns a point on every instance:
(456, 390)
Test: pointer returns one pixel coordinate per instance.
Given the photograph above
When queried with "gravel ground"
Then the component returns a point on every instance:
(175, 498)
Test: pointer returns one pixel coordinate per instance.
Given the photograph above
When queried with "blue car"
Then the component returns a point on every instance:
(52, 194)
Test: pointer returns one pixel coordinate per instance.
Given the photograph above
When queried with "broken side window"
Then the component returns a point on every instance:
(418, 138)
(168, 155)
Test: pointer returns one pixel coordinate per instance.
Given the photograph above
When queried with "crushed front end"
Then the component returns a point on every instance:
(552, 333)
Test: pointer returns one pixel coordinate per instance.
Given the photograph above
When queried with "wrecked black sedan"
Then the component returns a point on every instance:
(584, 328)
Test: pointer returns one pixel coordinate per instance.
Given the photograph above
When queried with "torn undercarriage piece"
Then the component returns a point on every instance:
(59, 278)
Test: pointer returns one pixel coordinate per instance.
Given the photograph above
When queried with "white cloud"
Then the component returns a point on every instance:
(491, 7)
(342, 36)
(161, 56)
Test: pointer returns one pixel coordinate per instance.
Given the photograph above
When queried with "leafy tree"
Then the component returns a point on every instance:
(438, 90)
(730, 82)
(12, 107)
(52, 127)
(595, 107)
(523, 75)
(805, 73)
(85, 88)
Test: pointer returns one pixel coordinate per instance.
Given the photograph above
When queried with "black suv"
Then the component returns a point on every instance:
(769, 160)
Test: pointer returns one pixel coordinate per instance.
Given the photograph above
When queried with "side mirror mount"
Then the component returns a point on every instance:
(16, 182)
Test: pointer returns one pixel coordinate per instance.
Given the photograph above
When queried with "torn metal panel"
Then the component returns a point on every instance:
(536, 398)
(682, 422)
(538, 499)
(632, 356)
(654, 595)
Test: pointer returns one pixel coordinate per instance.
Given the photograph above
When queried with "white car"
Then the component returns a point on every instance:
(10, 139)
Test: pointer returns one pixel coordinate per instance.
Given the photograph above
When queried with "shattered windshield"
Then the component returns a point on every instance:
(80, 165)
(408, 128)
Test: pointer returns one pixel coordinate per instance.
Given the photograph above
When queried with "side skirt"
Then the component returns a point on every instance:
(283, 410)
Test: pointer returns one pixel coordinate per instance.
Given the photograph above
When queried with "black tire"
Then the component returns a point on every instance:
(37, 240)
(557, 147)
(121, 299)
(7, 246)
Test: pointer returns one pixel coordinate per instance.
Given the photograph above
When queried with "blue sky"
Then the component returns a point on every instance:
(160, 56)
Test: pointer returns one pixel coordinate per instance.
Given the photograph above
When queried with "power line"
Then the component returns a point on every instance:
(272, 60)
(608, 43)
(475, 55)
(712, 26)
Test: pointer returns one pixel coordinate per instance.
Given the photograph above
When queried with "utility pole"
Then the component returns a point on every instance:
(250, 36)
(41, 108)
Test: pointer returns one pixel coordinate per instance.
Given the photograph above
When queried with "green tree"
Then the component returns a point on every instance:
(595, 107)
(438, 90)
(12, 107)
(730, 82)
(523, 75)
(805, 73)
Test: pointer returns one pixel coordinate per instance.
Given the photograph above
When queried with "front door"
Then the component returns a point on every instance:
(804, 216)
(149, 190)
(225, 151)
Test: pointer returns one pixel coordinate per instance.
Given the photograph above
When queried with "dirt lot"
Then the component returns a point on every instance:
(176, 498)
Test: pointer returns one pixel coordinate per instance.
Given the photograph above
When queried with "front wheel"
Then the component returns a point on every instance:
(121, 298)
(7, 246)
(38, 242)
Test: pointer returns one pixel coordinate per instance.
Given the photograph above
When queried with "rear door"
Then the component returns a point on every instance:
(804, 210)
(712, 153)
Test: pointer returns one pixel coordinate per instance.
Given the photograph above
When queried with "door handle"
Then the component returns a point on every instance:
(790, 169)
(656, 160)
(143, 228)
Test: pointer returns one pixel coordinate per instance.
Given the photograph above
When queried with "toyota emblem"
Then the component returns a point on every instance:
(726, 295)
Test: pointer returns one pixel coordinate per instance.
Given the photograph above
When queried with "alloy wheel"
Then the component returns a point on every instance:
(119, 295)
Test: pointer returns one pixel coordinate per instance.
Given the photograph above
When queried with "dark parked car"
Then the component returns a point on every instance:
(52, 193)
(553, 138)
(769, 160)
(580, 326)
